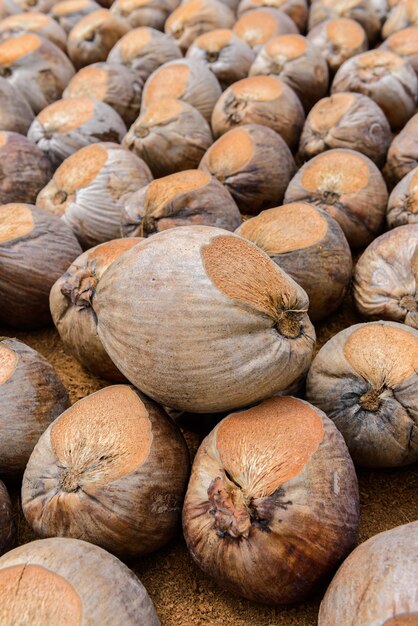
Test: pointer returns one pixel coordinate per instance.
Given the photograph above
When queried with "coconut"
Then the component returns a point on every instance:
(339, 39)
(297, 10)
(403, 153)
(15, 113)
(37, 23)
(402, 15)
(403, 201)
(369, 13)
(404, 43)
(151, 13)
(68, 12)
(259, 26)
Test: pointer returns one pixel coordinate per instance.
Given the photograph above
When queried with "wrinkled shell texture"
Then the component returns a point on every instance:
(7, 530)
(262, 523)
(369, 13)
(31, 397)
(214, 335)
(136, 460)
(377, 583)
(70, 303)
(89, 190)
(31, 259)
(295, 9)
(403, 152)
(309, 245)
(339, 39)
(15, 113)
(386, 277)
(403, 201)
(71, 583)
(348, 186)
(255, 165)
(365, 379)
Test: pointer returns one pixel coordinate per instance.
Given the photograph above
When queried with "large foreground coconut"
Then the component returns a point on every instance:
(338, 40)
(7, 529)
(15, 112)
(231, 328)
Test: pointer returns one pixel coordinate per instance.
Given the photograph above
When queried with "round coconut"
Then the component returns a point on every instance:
(137, 13)
(402, 15)
(338, 40)
(403, 202)
(403, 152)
(297, 10)
(259, 26)
(404, 43)
(68, 12)
(369, 13)
(38, 23)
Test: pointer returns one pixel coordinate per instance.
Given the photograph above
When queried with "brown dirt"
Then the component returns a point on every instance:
(182, 594)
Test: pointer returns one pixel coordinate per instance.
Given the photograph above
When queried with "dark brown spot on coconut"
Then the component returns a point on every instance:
(16, 220)
(8, 363)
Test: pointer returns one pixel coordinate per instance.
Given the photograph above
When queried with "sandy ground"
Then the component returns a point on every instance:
(183, 596)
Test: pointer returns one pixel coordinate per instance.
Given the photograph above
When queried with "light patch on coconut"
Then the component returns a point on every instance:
(116, 423)
(339, 172)
(91, 80)
(81, 168)
(132, 43)
(329, 111)
(168, 81)
(67, 115)
(16, 221)
(290, 46)
(379, 59)
(405, 619)
(214, 40)
(8, 363)
(230, 153)
(345, 32)
(90, 22)
(40, 595)
(256, 27)
(3, 139)
(68, 6)
(15, 48)
(162, 111)
(161, 190)
(259, 88)
(25, 20)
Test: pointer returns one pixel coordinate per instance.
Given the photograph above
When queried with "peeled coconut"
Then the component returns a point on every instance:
(65, 126)
(402, 15)
(7, 529)
(272, 503)
(338, 40)
(89, 189)
(151, 13)
(369, 13)
(38, 23)
(186, 198)
(35, 249)
(259, 26)
(170, 136)
(15, 112)
(31, 396)
(255, 165)
(348, 186)
(113, 469)
(403, 152)
(310, 246)
(403, 201)
(297, 10)
(231, 329)
(68, 12)
(404, 43)
(68, 581)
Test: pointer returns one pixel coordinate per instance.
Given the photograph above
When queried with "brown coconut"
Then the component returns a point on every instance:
(31, 396)
(376, 584)
(369, 13)
(15, 112)
(386, 78)
(93, 37)
(136, 460)
(348, 186)
(187, 80)
(272, 503)
(298, 63)
(403, 153)
(403, 202)
(36, 67)
(338, 40)
(111, 83)
(309, 245)
(143, 50)
(386, 277)
(297, 10)
(186, 198)
(235, 322)
(152, 13)
(404, 43)
(24, 168)
(89, 190)
(14, 7)
(40, 585)
(264, 100)
(259, 26)
(366, 380)
(222, 51)
(68, 12)
(7, 528)
(402, 15)
(170, 136)
(38, 23)
(255, 165)
(70, 303)
(346, 120)
(35, 249)
(65, 126)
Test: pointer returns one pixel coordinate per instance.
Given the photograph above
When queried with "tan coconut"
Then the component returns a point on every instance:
(186, 198)
(259, 26)
(402, 15)
(15, 112)
(272, 503)
(228, 56)
(68, 12)
(143, 50)
(403, 201)
(405, 44)
(38, 23)
(36, 67)
(7, 528)
(339, 39)
(35, 249)
(386, 277)
(67, 125)
(14, 7)
(235, 322)
(93, 37)
(187, 80)
(89, 189)
(255, 165)
(297, 10)
(369, 13)
(403, 152)
(348, 186)
(310, 246)
(264, 100)
(40, 585)
(152, 13)
(386, 78)
(111, 83)
(298, 63)
(386, 594)
(136, 460)
(32, 396)
(346, 120)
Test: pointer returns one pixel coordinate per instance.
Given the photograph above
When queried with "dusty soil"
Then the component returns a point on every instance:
(183, 596)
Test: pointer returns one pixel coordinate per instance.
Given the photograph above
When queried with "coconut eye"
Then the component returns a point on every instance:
(60, 197)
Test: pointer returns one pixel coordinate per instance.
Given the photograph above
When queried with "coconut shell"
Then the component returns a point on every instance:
(297, 10)
(7, 528)
(404, 43)
(376, 584)
(346, 120)
(35, 249)
(259, 26)
(152, 13)
(69, 12)
(136, 460)
(15, 112)
(348, 186)
(255, 165)
(31, 396)
(403, 202)
(14, 7)
(386, 277)
(69, 581)
(272, 503)
(73, 123)
(403, 153)
(338, 40)
(38, 23)
(402, 15)
(369, 13)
